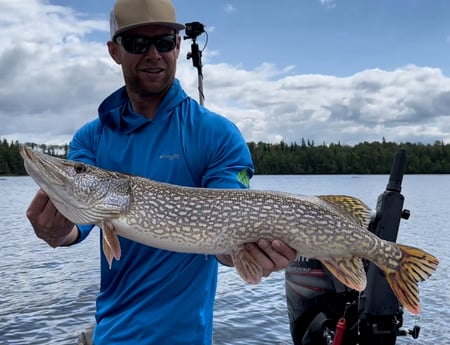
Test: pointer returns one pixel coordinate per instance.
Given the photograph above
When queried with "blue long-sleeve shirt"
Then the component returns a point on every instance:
(152, 296)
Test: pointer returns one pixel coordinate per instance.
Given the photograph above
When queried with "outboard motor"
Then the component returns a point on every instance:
(322, 311)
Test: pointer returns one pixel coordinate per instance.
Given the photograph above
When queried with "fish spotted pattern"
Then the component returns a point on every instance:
(329, 228)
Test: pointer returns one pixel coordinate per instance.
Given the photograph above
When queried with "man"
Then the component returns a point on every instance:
(150, 127)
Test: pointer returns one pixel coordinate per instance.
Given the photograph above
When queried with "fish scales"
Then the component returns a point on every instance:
(243, 216)
(330, 228)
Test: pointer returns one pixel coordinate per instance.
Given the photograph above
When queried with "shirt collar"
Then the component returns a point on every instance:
(116, 111)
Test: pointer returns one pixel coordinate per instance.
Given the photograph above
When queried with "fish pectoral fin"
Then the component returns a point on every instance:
(111, 244)
(246, 265)
(349, 271)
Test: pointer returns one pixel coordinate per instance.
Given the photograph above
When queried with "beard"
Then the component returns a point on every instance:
(148, 89)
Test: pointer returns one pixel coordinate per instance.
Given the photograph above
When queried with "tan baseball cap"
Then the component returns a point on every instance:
(129, 14)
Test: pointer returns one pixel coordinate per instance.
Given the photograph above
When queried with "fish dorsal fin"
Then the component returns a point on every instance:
(350, 207)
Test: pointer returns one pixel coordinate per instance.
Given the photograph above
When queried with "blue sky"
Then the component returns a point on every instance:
(327, 70)
(330, 37)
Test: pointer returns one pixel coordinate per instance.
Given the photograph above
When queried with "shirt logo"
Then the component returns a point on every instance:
(170, 157)
(243, 178)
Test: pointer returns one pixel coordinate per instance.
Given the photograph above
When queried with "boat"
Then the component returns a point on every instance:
(322, 310)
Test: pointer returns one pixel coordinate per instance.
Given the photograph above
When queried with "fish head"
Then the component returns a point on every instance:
(83, 193)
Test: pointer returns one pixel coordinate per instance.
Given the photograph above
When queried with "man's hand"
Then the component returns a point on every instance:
(48, 223)
(271, 255)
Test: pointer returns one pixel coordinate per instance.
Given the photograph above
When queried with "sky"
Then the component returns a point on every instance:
(330, 71)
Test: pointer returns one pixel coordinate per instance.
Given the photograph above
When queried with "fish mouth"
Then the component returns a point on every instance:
(25, 152)
(29, 159)
(39, 168)
(52, 177)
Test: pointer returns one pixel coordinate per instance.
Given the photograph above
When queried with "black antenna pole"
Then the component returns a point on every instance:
(193, 30)
(380, 312)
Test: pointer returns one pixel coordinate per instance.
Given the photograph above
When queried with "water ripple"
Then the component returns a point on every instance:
(47, 296)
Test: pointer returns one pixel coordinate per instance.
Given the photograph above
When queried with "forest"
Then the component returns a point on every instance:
(304, 158)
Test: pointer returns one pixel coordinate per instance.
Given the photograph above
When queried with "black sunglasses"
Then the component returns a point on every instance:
(141, 44)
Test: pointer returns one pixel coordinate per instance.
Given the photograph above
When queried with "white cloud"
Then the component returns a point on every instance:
(53, 78)
(328, 4)
(51, 74)
(407, 104)
(228, 8)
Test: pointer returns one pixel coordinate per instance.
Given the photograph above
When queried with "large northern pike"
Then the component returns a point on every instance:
(329, 228)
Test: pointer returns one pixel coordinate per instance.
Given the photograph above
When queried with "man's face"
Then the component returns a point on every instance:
(150, 73)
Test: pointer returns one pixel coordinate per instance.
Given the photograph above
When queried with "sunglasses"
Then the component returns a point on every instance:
(141, 44)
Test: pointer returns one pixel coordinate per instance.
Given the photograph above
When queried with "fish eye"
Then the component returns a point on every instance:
(79, 168)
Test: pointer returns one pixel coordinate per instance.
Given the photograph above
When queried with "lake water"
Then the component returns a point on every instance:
(47, 296)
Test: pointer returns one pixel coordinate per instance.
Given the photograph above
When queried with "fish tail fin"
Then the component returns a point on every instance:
(349, 271)
(415, 266)
(111, 244)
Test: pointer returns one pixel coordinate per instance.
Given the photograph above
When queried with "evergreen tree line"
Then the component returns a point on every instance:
(304, 158)
(363, 158)
(11, 163)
